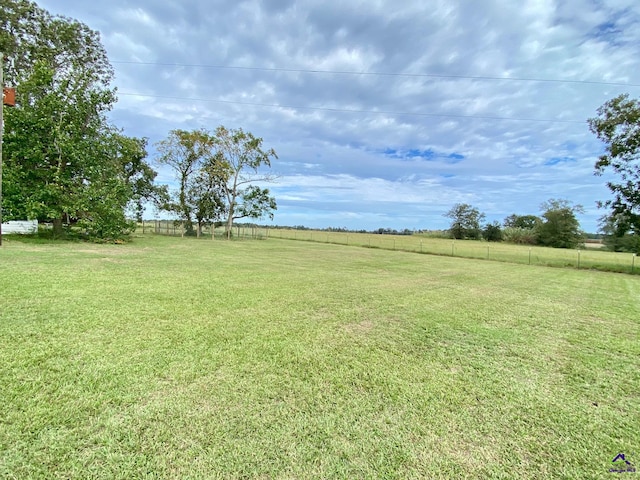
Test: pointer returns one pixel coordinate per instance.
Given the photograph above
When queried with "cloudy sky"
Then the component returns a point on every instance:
(384, 113)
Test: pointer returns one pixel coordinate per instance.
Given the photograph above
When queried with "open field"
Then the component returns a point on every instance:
(188, 358)
(592, 257)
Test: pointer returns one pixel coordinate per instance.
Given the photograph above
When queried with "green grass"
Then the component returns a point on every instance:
(589, 258)
(185, 358)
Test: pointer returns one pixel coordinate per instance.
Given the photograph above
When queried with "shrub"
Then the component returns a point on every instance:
(521, 236)
(492, 232)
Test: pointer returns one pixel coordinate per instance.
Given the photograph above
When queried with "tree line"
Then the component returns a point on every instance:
(65, 163)
(557, 226)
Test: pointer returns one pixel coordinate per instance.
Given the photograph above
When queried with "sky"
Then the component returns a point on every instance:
(383, 113)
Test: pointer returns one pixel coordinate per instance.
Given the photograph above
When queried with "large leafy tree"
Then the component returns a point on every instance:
(465, 221)
(63, 160)
(618, 126)
(243, 158)
(200, 175)
(522, 221)
(205, 193)
(560, 228)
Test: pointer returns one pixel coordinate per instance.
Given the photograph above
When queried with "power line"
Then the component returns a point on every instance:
(345, 110)
(381, 74)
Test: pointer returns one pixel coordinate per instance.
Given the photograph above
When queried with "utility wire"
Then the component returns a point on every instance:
(345, 110)
(381, 74)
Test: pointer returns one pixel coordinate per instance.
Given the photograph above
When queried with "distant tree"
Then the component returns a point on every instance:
(241, 158)
(616, 236)
(465, 221)
(186, 152)
(205, 194)
(522, 221)
(560, 227)
(618, 126)
(492, 232)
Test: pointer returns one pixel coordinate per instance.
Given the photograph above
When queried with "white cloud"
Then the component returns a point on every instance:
(330, 160)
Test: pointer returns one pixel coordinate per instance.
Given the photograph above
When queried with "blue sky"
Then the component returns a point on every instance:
(383, 113)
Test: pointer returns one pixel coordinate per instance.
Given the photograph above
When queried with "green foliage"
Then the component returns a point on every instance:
(616, 234)
(244, 156)
(200, 174)
(528, 222)
(492, 232)
(63, 161)
(465, 221)
(623, 243)
(256, 202)
(560, 227)
(217, 172)
(521, 236)
(618, 126)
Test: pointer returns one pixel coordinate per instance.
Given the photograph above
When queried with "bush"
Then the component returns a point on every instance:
(492, 232)
(623, 243)
(520, 236)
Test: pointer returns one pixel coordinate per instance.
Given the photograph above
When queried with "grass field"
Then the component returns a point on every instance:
(592, 257)
(589, 258)
(186, 358)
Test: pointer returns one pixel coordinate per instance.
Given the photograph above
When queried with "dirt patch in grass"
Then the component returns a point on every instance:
(359, 328)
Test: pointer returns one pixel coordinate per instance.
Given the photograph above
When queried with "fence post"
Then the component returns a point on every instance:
(578, 258)
(633, 262)
(529, 255)
(487, 252)
(182, 229)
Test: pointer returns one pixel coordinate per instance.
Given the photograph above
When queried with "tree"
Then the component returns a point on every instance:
(63, 161)
(522, 221)
(205, 194)
(465, 221)
(492, 232)
(618, 126)
(616, 234)
(241, 156)
(560, 227)
(137, 174)
(186, 152)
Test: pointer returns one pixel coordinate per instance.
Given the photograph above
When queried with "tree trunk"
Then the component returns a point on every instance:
(229, 223)
(57, 227)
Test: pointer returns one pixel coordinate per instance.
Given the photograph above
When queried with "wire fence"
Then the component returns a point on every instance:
(206, 230)
(592, 257)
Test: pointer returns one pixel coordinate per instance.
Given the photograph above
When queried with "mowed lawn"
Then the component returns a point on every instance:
(184, 358)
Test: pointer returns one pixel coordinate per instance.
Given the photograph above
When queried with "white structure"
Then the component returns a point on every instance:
(20, 226)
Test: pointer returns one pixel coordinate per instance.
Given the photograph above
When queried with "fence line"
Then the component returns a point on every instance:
(208, 230)
(590, 258)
